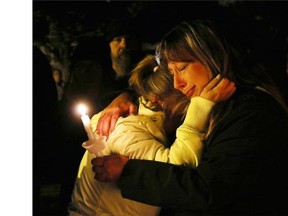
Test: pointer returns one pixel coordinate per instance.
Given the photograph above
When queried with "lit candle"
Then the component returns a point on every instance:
(86, 121)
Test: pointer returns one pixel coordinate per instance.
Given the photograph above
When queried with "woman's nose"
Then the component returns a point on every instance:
(178, 82)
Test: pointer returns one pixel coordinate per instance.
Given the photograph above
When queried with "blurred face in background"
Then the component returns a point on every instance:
(57, 76)
(122, 50)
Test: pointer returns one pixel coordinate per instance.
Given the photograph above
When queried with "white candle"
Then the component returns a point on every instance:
(86, 121)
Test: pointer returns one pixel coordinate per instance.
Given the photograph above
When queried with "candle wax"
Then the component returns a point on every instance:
(87, 126)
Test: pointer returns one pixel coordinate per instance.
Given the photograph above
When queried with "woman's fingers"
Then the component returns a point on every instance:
(218, 89)
(122, 105)
(108, 168)
(103, 126)
(213, 83)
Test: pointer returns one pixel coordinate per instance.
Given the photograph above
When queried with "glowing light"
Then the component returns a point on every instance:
(95, 143)
(86, 121)
(82, 109)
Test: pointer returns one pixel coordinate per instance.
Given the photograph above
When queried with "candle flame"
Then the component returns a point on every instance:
(82, 109)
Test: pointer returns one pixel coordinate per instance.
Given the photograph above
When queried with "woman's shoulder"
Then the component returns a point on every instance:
(258, 99)
(253, 105)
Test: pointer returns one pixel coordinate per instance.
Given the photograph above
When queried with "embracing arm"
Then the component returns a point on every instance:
(123, 105)
(138, 137)
(218, 89)
(244, 158)
(188, 146)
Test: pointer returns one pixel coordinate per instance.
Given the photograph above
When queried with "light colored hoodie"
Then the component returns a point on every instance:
(141, 137)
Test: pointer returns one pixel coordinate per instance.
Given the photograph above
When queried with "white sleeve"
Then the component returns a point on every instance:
(198, 114)
(188, 146)
(139, 140)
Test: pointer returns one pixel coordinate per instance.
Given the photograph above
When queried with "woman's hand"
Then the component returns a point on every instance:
(109, 168)
(122, 105)
(218, 89)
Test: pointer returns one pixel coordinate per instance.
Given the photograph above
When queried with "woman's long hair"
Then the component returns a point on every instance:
(198, 41)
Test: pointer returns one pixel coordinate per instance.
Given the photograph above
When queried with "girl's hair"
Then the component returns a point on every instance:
(150, 81)
(198, 41)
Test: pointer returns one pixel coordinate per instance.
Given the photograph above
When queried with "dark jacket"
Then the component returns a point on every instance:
(242, 171)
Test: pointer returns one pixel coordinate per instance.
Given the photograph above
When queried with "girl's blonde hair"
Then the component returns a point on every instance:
(150, 81)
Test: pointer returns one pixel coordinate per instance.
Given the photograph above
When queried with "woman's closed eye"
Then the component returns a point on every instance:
(178, 68)
(182, 69)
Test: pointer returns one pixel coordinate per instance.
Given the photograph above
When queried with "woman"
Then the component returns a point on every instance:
(241, 171)
(144, 136)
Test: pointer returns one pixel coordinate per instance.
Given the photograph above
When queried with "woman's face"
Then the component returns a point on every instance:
(189, 77)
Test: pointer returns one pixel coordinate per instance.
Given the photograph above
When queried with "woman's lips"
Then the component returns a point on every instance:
(190, 93)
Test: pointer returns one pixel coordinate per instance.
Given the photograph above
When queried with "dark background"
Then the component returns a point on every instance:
(59, 27)
(260, 26)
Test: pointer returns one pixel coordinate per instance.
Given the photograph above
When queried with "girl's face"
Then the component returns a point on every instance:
(189, 77)
(156, 101)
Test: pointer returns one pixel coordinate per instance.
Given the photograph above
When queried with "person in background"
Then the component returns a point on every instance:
(125, 51)
(86, 74)
(95, 80)
(83, 86)
(46, 125)
(145, 136)
(57, 76)
(243, 163)
(100, 69)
